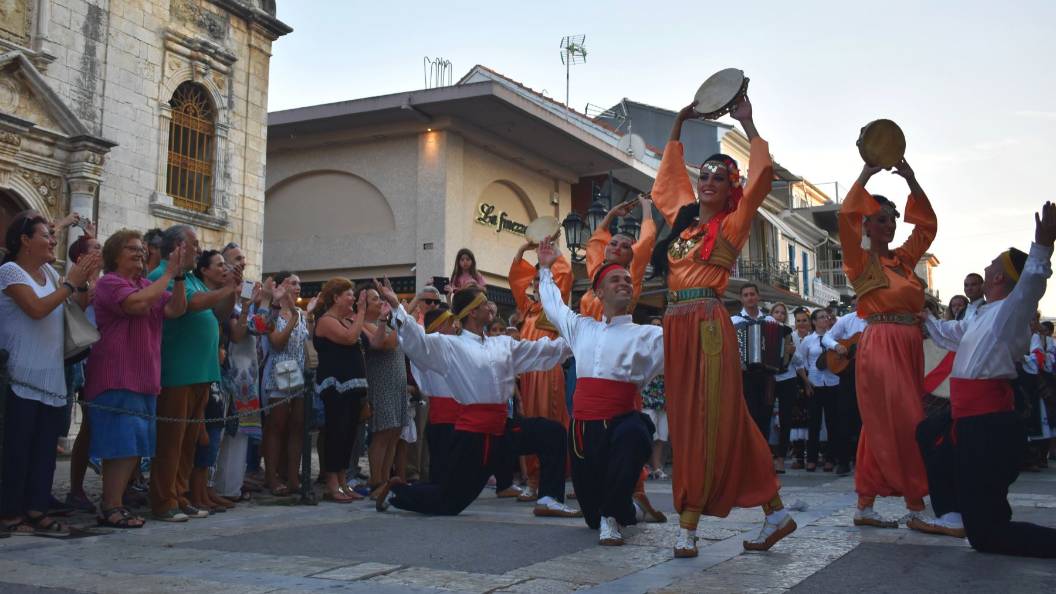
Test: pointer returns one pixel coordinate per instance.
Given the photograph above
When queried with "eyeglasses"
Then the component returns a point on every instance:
(431, 301)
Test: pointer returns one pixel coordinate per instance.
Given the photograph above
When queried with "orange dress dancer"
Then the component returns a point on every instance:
(891, 353)
(542, 392)
(721, 460)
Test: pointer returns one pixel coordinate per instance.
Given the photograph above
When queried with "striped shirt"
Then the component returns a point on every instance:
(128, 354)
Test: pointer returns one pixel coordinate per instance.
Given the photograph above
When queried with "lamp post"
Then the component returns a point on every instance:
(596, 214)
(576, 236)
(630, 227)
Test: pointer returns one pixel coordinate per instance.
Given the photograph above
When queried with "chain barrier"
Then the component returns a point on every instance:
(124, 411)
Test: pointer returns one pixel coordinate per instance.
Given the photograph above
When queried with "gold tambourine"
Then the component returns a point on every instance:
(720, 93)
(882, 144)
(542, 228)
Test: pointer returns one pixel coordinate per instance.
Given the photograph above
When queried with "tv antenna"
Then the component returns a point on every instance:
(573, 52)
(437, 72)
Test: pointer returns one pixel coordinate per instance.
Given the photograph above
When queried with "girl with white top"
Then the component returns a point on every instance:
(822, 387)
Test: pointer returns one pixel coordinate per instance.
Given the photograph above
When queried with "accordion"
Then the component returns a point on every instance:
(762, 345)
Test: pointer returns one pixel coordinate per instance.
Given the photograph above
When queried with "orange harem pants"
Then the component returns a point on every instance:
(543, 395)
(890, 381)
(721, 460)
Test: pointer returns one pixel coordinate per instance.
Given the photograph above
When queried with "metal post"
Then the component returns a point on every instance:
(307, 491)
(4, 378)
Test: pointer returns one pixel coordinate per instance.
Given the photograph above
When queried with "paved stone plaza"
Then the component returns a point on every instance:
(270, 545)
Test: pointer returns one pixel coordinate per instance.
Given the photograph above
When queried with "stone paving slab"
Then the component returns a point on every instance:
(270, 547)
(896, 569)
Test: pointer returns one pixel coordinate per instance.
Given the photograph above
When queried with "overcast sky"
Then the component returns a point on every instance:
(972, 84)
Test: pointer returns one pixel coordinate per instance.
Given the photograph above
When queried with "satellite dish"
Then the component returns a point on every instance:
(633, 145)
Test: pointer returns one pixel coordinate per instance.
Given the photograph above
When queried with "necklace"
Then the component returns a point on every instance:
(684, 245)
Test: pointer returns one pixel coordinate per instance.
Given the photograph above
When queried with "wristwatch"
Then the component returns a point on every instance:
(70, 287)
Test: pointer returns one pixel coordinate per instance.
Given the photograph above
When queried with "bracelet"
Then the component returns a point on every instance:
(70, 287)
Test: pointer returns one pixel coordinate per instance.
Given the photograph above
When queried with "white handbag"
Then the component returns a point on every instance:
(289, 378)
(79, 334)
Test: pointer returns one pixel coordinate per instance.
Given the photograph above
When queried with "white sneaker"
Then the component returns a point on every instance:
(869, 517)
(527, 494)
(771, 532)
(609, 534)
(922, 523)
(952, 520)
(686, 545)
(550, 507)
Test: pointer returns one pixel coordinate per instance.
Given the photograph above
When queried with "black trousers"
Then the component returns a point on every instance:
(474, 457)
(607, 459)
(786, 393)
(825, 399)
(847, 412)
(935, 438)
(438, 437)
(31, 430)
(341, 420)
(759, 406)
(988, 450)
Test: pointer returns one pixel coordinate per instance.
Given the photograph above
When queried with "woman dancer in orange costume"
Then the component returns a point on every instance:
(721, 460)
(891, 353)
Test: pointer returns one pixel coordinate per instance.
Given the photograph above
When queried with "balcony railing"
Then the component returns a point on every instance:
(777, 274)
(832, 274)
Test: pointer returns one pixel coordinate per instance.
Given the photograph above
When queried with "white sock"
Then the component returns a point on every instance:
(545, 501)
(776, 517)
(952, 519)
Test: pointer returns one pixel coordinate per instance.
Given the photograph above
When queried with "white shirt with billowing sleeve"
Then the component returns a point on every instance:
(430, 383)
(617, 349)
(479, 370)
(989, 345)
(808, 351)
(845, 327)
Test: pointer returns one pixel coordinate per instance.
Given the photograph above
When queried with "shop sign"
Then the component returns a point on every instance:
(500, 221)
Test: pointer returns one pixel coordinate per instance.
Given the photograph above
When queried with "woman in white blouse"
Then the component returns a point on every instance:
(32, 298)
(822, 387)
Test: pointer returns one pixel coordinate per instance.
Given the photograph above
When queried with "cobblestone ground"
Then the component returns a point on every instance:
(271, 545)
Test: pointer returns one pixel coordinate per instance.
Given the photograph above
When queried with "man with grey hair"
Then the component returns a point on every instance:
(190, 361)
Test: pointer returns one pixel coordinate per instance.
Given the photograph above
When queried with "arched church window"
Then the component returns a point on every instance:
(192, 140)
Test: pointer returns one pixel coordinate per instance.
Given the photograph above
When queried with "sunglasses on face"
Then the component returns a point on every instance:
(431, 301)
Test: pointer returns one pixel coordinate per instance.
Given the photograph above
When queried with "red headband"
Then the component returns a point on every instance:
(603, 272)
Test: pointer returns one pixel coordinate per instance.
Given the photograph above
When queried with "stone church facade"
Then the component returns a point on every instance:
(138, 113)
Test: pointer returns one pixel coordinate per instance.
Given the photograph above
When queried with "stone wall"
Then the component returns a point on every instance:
(117, 63)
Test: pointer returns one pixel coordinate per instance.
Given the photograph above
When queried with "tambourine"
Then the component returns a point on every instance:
(542, 228)
(882, 144)
(720, 93)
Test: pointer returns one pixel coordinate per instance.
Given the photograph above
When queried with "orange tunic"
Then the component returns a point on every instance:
(721, 460)
(589, 304)
(542, 392)
(890, 368)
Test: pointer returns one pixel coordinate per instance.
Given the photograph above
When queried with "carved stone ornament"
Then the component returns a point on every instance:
(10, 138)
(48, 186)
(9, 95)
(190, 12)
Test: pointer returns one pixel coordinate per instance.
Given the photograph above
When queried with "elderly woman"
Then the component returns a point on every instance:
(124, 368)
(340, 379)
(890, 367)
(32, 297)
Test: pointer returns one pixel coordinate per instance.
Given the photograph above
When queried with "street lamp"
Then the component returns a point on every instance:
(596, 214)
(576, 236)
(630, 227)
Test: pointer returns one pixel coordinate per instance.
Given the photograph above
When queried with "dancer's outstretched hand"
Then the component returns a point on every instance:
(1045, 225)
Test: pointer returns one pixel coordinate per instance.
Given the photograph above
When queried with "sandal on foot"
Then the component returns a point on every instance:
(48, 527)
(280, 491)
(18, 528)
(125, 519)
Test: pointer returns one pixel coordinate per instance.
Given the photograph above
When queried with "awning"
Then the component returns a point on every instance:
(783, 227)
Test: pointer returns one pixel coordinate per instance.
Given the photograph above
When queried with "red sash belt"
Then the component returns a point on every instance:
(443, 410)
(970, 398)
(489, 419)
(599, 399)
